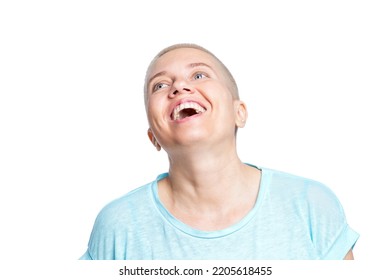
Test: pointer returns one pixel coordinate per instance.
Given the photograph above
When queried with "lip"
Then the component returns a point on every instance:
(184, 100)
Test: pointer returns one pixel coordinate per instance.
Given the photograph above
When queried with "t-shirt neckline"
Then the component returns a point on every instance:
(210, 234)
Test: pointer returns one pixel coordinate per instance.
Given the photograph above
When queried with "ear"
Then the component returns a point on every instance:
(241, 114)
(153, 140)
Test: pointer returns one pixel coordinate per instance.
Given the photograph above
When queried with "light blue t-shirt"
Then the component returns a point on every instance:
(293, 218)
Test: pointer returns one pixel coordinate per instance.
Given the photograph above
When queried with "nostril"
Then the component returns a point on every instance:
(179, 91)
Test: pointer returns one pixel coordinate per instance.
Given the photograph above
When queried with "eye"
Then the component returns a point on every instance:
(199, 76)
(159, 86)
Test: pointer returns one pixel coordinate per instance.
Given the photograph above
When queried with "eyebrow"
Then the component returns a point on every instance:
(197, 64)
(191, 65)
(162, 73)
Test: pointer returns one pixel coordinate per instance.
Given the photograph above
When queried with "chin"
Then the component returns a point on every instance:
(189, 138)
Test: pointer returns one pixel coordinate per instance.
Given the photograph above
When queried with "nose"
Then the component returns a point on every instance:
(180, 87)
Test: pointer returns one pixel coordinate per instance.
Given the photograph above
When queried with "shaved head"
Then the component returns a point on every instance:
(232, 85)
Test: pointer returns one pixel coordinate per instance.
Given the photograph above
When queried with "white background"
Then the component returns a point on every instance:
(314, 74)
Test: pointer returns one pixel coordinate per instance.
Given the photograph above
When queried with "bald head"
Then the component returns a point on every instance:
(231, 83)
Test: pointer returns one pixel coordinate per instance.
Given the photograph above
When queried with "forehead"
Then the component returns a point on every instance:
(182, 57)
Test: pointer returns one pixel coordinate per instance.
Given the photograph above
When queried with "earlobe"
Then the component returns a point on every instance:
(241, 114)
(153, 140)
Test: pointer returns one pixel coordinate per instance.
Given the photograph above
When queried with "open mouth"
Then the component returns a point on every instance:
(185, 110)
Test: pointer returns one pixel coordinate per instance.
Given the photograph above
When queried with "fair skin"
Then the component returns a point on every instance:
(202, 148)
(208, 187)
(349, 255)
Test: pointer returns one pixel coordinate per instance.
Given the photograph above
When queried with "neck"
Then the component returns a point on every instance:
(210, 188)
(208, 180)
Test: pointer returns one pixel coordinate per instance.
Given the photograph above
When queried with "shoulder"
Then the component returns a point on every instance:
(133, 196)
(126, 207)
(305, 212)
(317, 209)
(306, 196)
(120, 220)
(298, 185)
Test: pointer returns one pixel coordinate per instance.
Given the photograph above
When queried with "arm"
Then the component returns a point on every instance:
(349, 255)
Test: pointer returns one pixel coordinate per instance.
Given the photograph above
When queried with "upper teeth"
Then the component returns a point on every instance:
(182, 106)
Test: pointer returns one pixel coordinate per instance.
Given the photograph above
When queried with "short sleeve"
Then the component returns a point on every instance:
(342, 244)
(331, 235)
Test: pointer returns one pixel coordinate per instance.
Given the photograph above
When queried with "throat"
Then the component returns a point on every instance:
(211, 208)
(185, 113)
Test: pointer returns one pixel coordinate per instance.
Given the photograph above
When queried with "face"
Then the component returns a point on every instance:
(189, 101)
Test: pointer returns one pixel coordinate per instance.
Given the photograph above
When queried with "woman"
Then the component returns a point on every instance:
(211, 205)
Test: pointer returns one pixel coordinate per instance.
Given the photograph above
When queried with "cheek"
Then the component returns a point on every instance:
(155, 111)
(226, 104)
(153, 105)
